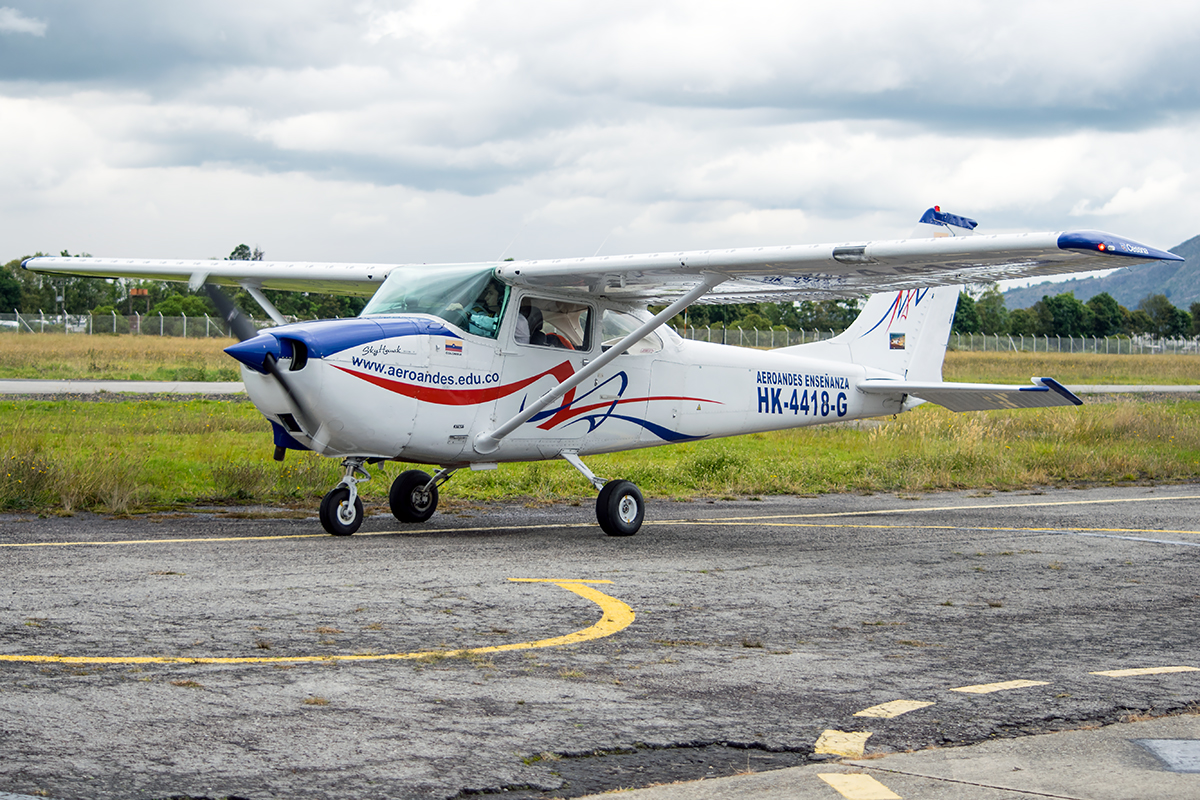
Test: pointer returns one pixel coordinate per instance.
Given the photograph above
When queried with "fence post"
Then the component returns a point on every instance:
(161, 324)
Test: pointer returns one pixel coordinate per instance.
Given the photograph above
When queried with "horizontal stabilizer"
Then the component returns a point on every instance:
(1044, 393)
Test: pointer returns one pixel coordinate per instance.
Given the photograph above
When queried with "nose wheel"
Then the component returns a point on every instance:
(341, 514)
(342, 509)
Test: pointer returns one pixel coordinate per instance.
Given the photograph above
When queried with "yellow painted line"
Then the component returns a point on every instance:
(209, 539)
(865, 526)
(988, 688)
(858, 787)
(960, 508)
(616, 617)
(1129, 673)
(893, 709)
(842, 743)
(703, 521)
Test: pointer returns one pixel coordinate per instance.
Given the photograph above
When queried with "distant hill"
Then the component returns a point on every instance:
(1178, 280)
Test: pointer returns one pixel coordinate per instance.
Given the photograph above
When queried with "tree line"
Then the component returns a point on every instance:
(1064, 315)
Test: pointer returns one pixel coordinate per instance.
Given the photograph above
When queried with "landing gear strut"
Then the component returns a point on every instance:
(342, 510)
(620, 508)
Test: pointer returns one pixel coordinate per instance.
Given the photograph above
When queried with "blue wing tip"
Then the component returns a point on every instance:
(1109, 244)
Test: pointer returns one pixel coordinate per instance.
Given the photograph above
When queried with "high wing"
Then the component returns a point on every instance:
(743, 275)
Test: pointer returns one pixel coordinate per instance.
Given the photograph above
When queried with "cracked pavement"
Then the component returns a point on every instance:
(759, 625)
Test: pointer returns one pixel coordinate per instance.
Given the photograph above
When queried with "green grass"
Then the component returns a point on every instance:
(121, 457)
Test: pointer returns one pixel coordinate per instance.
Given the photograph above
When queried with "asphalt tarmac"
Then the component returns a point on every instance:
(505, 649)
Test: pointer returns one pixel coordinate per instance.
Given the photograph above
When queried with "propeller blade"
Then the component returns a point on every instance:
(239, 325)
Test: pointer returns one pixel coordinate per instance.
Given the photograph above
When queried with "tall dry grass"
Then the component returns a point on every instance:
(60, 356)
(1078, 368)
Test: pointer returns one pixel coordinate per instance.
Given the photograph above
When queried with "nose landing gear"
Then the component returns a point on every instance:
(342, 510)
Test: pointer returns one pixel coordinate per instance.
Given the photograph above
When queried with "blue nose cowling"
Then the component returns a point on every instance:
(253, 352)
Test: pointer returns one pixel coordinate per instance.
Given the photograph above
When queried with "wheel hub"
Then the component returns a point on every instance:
(627, 509)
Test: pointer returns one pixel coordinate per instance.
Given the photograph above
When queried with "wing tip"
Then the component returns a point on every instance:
(1110, 244)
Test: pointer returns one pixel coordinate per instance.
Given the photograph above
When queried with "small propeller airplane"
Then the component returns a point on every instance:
(474, 365)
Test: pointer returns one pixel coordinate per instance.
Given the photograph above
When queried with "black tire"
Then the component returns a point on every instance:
(408, 498)
(620, 508)
(338, 517)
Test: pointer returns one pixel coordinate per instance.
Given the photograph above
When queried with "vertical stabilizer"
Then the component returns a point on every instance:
(903, 333)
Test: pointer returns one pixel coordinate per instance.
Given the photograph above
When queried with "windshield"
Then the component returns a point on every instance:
(465, 295)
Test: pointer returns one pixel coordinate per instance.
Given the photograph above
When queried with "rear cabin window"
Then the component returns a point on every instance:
(616, 325)
(554, 323)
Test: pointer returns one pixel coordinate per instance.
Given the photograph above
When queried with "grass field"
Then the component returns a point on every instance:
(150, 455)
(145, 455)
(80, 357)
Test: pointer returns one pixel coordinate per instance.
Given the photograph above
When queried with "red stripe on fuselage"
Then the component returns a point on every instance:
(460, 397)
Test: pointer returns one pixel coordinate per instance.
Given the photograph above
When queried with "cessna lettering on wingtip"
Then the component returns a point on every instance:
(473, 365)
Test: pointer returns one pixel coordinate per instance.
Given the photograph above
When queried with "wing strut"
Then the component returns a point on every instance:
(266, 304)
(489, 441)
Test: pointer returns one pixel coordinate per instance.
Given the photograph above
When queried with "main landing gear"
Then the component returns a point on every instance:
(414, 495)
(620, 508)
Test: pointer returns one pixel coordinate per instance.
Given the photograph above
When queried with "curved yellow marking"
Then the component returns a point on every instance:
(616, 617)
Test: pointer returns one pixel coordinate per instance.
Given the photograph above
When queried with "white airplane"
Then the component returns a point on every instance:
(474, 365)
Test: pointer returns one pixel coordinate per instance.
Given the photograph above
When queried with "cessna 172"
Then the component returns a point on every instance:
(473, 365)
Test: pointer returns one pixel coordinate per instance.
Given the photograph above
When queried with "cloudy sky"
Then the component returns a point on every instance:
(453, 130)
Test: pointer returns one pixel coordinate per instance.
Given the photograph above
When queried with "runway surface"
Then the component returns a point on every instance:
(504, 648)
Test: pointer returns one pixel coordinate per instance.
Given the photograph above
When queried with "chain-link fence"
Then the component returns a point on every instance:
(146, 325)
(1135, 345)
(201, 327)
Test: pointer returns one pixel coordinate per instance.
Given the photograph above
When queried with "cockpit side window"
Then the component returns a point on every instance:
(554, 323)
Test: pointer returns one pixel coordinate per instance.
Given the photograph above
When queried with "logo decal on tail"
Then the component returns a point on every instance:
(905, 300)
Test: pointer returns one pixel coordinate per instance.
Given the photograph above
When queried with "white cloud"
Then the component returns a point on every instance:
(13, 21)
(443, 130)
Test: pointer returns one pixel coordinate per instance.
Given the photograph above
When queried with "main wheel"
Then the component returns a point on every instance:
(338, 515)
(408, 498)
(620, 508)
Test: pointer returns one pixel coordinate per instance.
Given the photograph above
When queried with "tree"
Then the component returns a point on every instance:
(992, 311)
(966, 317)
(1062, 315)
(1106, 315)
(178, 305)
(1023, 322)
(1195, 309)
(10, 288)
(1166, 321)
